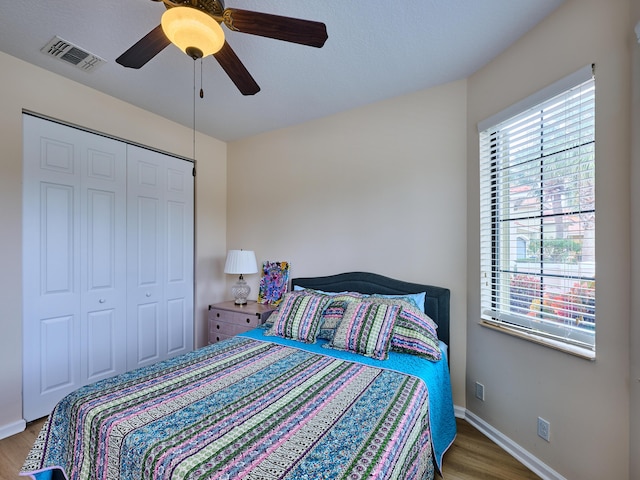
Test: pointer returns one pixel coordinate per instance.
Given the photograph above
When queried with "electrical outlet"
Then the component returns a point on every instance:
(543, 429)
(480, 391)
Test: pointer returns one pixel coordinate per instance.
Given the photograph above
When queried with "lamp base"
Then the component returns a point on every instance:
(240, 291)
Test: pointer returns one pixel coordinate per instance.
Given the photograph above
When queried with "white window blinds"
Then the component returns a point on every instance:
(537, 202)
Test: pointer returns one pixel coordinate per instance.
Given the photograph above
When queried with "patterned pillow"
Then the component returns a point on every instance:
(366, 328)
(415, 299)
(400, 301)
(334, 312)
(331, 318)
(298, 288)
(415, 333)
(298, 316)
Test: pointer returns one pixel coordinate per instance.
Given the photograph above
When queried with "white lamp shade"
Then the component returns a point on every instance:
(241, 262)
(189, 27)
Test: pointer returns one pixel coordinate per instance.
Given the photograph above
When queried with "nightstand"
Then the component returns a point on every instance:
(227, 319)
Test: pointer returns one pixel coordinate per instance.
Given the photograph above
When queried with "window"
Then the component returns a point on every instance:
(537, 202)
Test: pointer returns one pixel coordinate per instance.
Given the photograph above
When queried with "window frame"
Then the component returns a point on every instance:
(502, 318)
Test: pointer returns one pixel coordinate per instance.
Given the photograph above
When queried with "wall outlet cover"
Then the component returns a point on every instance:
(543, 429)
(480, 391)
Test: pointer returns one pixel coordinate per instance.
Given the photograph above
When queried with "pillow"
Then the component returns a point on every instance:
(298, 317)
(331, 318)
(334, 315)
(366, 328)
(400, 301)
(334, 312)
(298, 288)
(416, 299)
(415, 333)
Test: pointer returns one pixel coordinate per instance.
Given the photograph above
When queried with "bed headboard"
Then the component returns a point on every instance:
(436, 303)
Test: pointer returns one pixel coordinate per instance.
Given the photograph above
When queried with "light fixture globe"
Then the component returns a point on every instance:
(193, 31)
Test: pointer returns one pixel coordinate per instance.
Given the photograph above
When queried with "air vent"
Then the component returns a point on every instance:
(70, 53)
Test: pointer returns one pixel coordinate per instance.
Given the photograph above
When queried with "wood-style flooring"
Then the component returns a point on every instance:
(14, 449)
(474, 457)
(471, 457)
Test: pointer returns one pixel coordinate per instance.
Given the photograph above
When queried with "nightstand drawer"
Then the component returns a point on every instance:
(246, 320)
(229, 329)
(217, 337)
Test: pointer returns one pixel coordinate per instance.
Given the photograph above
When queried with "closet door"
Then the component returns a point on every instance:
(160, 249)
(74, 246)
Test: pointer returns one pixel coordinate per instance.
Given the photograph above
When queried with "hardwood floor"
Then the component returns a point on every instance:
(472, 456)
(13, 450)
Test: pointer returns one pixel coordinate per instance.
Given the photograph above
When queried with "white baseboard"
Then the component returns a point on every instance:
(512, 448)
(12, 428)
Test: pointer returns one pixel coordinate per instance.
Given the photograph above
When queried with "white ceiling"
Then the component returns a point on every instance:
(376, 50)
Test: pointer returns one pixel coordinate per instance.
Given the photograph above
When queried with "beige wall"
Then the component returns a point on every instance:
(586, 402)
(27, 87)
(380, 188)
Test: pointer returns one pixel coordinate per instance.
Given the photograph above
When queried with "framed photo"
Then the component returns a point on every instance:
(273, 282)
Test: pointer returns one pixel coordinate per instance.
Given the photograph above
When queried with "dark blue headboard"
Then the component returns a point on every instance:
(436, 303)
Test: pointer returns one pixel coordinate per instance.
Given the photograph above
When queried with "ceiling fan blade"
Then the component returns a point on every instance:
(144, 49)
(304, 32)
(237, 72)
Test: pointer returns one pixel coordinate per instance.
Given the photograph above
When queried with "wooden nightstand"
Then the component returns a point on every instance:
(227, 319)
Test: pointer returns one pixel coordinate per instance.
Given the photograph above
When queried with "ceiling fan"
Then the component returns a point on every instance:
(194, 26)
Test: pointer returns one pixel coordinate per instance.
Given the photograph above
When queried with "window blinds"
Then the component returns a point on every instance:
(537, 168)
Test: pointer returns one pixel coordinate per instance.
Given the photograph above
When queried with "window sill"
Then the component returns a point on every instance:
(547, 342)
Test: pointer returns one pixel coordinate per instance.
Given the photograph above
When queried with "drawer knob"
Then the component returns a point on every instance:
(248, 320)
(217, 339)
(218, 327)
(218, 314)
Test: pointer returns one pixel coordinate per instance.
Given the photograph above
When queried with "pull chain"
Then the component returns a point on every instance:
(201, 90)
(194, 111)
(194, 102)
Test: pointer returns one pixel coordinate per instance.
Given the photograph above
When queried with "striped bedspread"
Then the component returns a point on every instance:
(241, 409)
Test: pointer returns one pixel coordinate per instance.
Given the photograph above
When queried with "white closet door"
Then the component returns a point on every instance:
(74, 246)
(103, 256)
(160, 249)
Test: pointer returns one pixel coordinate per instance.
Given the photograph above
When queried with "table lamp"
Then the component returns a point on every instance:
(241, 262)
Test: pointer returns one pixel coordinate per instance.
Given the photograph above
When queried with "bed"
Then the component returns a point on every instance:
(338, 385)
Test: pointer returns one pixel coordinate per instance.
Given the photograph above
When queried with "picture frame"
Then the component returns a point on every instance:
(274, 282)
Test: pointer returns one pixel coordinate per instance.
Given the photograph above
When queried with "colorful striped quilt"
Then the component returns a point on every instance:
(241, 408)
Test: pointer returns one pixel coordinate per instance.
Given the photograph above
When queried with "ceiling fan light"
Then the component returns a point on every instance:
(188, 27)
